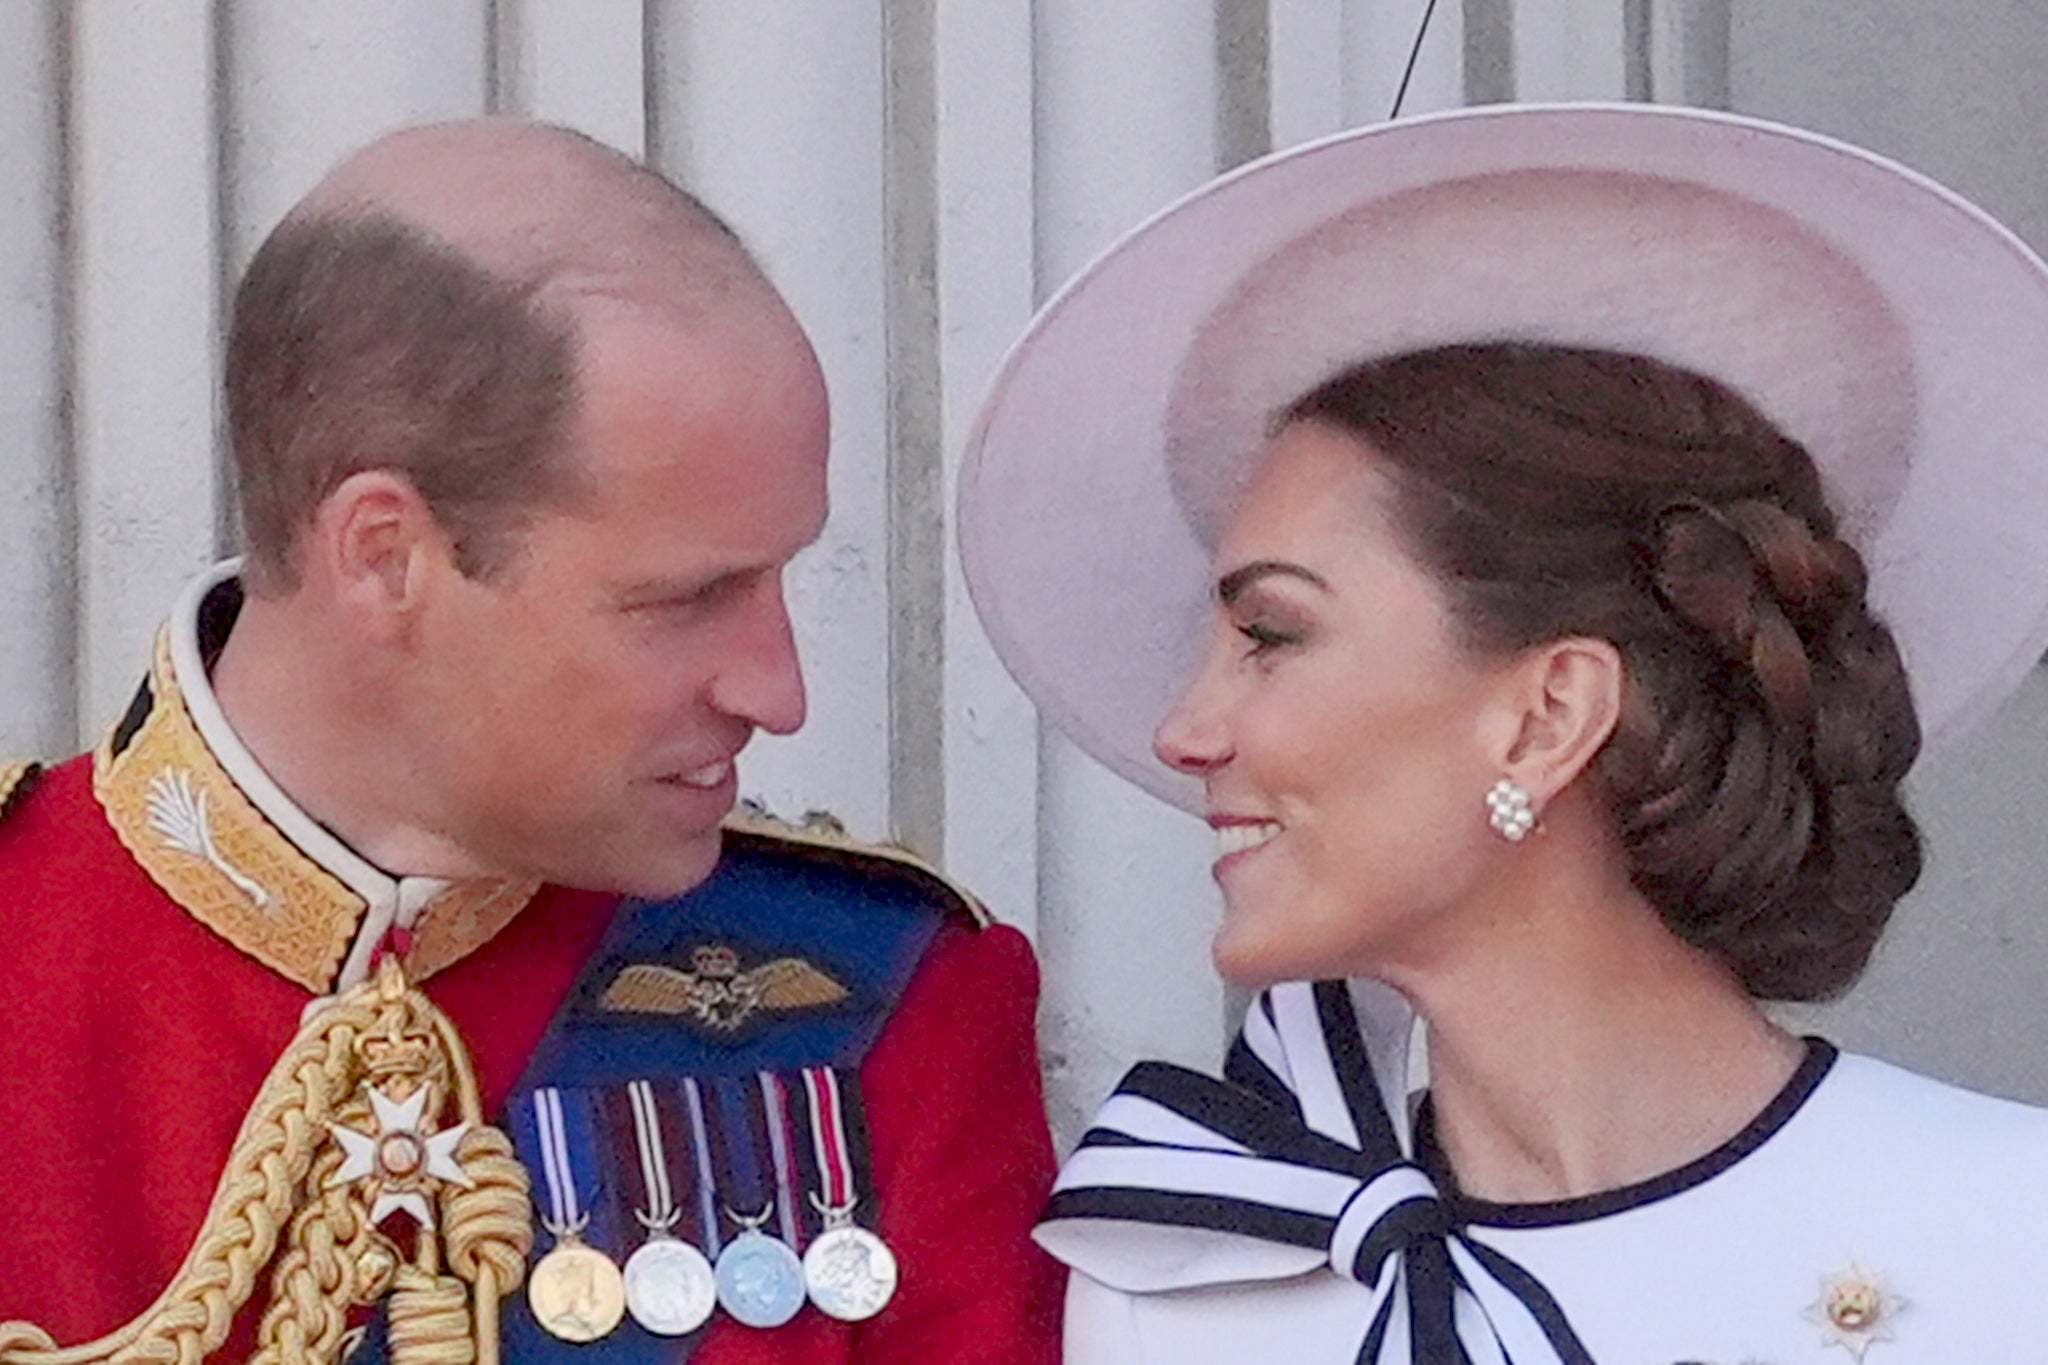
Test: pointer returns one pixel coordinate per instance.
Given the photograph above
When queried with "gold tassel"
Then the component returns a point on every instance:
(430, 1323)
(285, 1173)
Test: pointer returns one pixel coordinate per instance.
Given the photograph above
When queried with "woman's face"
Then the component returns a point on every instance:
(1341, 731)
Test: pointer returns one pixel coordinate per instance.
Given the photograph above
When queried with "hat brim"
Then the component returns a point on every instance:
(1891, 326)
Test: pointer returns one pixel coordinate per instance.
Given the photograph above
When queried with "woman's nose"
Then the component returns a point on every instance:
(1192, 738)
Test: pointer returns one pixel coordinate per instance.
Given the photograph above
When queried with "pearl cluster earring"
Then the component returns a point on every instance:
(1508, 810)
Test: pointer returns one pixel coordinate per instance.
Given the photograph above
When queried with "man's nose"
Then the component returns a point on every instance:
(762, 681)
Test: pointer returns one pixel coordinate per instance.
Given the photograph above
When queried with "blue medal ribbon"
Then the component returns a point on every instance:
(747, 1192)
(563, 1136)
(707, 1182)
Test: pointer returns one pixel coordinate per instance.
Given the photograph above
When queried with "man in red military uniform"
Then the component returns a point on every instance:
(524, 442)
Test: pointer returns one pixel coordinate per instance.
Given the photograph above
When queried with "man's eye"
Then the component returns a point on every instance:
(711, 597)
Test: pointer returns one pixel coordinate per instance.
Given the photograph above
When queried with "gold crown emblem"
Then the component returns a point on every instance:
(396, 1053)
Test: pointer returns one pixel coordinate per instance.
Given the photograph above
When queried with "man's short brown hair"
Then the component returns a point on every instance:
(359, 342)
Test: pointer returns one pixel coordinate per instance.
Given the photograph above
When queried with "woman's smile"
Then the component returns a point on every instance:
(1334, 708)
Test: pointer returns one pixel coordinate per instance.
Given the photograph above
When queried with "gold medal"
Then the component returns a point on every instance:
(577, 1294)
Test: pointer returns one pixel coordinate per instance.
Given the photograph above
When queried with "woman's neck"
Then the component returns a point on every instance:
(1580, 1046)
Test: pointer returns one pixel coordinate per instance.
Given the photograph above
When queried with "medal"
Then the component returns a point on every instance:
(849, 1272)
(669, 1287)
(575, 1291)
(760, 1280)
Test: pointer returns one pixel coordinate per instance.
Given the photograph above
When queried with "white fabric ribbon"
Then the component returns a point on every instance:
(1290, 1164)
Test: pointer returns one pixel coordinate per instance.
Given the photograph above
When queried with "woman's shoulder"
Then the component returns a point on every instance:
(1901, 1124)
(1891, 1099)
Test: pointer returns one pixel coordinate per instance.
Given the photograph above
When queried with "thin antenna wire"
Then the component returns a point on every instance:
(1421, 32)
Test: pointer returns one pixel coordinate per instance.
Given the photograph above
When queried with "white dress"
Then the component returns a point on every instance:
(1867, 1214)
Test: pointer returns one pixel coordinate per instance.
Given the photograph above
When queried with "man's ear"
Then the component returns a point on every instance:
(1566, 700)
(374, 538)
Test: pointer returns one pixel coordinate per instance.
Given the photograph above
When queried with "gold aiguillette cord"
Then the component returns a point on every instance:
(338, 1139)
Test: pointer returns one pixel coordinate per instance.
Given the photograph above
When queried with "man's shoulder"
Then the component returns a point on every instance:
(796, 951)
(17, 778)
(819, 844)
(44, 806)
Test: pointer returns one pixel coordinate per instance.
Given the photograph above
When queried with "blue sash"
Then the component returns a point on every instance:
(790, 956)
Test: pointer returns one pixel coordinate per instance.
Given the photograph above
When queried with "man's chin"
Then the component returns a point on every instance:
(653, 871)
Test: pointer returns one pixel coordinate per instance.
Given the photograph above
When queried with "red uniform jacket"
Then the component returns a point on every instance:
(133, 1037)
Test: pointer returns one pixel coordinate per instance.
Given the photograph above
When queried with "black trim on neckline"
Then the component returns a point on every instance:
(1465, 1210)
(216, 618)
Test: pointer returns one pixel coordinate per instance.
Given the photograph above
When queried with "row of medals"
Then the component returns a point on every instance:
(579, 1294)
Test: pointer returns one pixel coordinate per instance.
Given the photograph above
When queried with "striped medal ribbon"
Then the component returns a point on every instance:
(576, 1292)
(760, 1280)
(849, 1272)
(669, 1286)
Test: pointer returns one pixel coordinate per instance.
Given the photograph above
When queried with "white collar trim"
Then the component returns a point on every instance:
(390, 901)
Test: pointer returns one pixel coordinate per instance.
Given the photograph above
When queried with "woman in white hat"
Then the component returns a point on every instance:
(1526, 535)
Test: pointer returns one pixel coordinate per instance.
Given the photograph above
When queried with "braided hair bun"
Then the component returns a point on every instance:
(1766, 719)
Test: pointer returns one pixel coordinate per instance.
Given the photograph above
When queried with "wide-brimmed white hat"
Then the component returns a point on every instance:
(1892, 327)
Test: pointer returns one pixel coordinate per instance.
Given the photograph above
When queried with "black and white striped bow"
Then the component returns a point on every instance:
(1295, 1149)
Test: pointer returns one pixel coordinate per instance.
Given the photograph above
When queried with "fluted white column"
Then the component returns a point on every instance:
(1571, 50)
(1126, 123)
(310, 81)
(986, 274)
(579, 62)
(146, 285)
(36, 514)
(1338, 63)
(774, 115)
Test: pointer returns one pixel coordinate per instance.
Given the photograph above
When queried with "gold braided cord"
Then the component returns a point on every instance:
(332, 1260)
(255, 1196)
(487, 1229)
(280, 1184)
(430, 1320)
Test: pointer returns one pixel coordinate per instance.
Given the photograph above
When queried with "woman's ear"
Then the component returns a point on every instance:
(1567, 699)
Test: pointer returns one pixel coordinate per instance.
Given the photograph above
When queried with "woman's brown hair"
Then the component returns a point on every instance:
(1766, 719)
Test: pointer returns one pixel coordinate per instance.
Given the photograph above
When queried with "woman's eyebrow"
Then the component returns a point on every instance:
(1232, 585)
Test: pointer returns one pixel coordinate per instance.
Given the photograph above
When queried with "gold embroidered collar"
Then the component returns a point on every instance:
(223, 841)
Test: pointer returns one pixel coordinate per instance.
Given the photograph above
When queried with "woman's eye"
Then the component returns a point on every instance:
(1264, 638)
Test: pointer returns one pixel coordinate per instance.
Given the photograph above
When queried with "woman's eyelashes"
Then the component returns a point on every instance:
(1267, 637)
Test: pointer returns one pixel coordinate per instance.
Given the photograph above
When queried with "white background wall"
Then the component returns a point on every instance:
(916, 174)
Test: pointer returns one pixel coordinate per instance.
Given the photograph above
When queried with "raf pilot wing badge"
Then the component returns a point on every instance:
(715, 993)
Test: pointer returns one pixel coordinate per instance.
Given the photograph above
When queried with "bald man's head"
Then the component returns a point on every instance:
(420, 311)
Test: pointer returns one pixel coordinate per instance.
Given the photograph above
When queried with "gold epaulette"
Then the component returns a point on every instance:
(822, 831)
(16, 778)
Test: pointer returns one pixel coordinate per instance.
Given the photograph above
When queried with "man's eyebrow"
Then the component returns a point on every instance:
(1232, 585)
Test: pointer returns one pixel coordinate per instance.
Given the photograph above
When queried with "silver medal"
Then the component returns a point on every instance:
(760, 1280)
(670, 1288)
(850, 1273)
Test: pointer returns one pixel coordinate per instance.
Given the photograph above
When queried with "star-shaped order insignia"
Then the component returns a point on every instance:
(1855, 1310)
(399, 1159)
